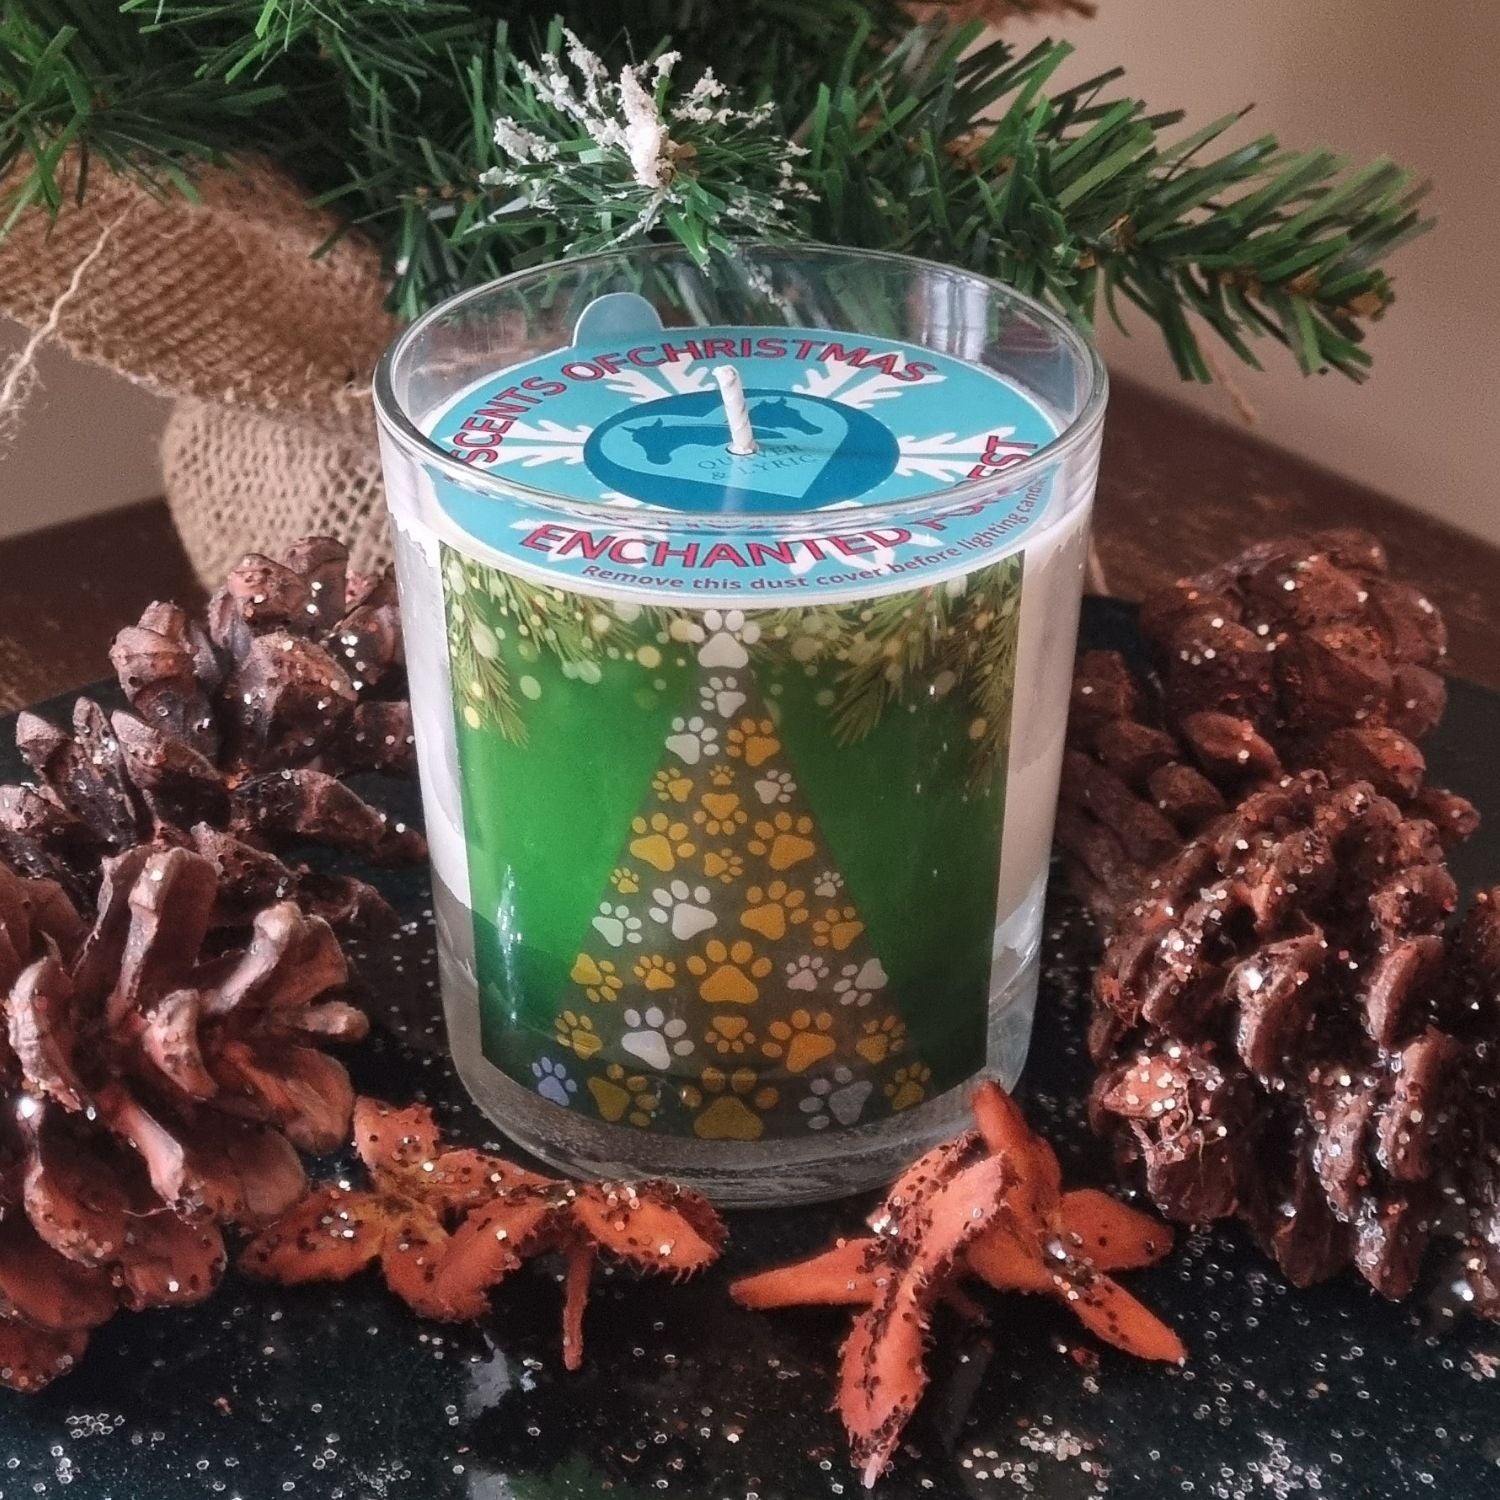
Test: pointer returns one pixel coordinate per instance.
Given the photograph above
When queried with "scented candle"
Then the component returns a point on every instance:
(740, 603)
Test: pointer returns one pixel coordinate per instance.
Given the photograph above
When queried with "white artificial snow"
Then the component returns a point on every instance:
(628, 114)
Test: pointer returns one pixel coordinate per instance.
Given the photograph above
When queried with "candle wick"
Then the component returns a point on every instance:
(741, 432)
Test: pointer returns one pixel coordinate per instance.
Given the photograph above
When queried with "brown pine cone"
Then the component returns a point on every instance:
(1283, 1036)
(157, 1088)
(1472, 996)
(1236, 706)
(295, 663)
(1301, 638)
(1128, 798)
(1287, 1031)
(243, 722)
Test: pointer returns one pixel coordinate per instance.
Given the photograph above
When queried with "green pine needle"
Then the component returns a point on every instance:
(917, 139)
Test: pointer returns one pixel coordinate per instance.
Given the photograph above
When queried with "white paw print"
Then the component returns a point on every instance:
(616, 926)
(806, 972)
(728, 635)
(775, 786)
(722, 696)
(691, 740)
(654, 1039)
(828, 884)
(552, 1082)
(857, 983)
(836, 1099)
(685, 908)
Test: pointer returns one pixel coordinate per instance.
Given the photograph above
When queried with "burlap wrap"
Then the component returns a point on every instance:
(267, 346)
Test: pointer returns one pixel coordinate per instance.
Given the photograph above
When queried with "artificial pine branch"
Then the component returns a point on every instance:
(916, 140)
(983, 660)
(895, 644)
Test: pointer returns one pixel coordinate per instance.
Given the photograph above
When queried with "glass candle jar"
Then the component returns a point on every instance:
(740, 604)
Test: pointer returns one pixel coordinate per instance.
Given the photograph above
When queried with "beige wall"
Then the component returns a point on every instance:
(1365, 76)
(87, 442)
(1368, 77)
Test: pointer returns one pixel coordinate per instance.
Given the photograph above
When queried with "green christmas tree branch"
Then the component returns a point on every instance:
(982, 659)
(883, 654)
(957, 638)
(914, 139)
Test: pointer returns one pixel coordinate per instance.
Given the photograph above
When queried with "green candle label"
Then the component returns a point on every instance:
(733, 872)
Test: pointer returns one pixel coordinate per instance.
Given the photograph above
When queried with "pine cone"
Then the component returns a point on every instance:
(1298, 654)
(296, 663)
(243, 722)
(157, 1089)
(1286, 1029)
(1284, 1032)
(1128, 798)
(1472, 995)
(1302, 638)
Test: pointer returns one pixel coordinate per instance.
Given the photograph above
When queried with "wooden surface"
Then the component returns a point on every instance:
(65, 591)
(1177, 491)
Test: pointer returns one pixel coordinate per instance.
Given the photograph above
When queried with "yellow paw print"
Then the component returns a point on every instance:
(801, 1040)
(660, 841)
(723, 864)
(837, 928)
(625, 880)
(598, 977)
(754, 740)
(783, 840)
(772, 909)
(577, 1034)
(735, 1102)
(671, 786)
(719, 814)
(619, 1095)
(881, 1039)
(655, 972)
(730, 1035)
(908, 1086)
(727, 972)
(722, 776)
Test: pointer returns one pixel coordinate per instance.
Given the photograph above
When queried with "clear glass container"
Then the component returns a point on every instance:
(739, 770)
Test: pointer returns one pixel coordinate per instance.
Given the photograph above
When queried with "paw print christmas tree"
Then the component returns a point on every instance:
(752, 1006)
(739, 834)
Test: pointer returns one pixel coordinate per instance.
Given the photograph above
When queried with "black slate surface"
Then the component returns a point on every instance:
(338, 1393)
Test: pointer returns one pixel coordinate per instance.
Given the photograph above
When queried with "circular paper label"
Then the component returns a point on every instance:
(630, 415)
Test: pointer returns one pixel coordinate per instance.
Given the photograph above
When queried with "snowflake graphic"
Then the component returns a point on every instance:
(947, 458)
(682, 377)
(944, 457)
(851, 386)
(531, 444)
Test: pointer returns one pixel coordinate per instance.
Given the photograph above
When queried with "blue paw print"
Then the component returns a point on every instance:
(552, 1082)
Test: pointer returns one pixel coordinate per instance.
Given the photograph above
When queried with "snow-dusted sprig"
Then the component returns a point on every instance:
(612, 157)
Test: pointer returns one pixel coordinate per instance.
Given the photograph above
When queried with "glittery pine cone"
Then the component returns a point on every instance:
(295, 663)
(1472, 999)
(157, 1087)
(1129, 796)
(1288, 1034)
(1302, 639)
(1298, 654)
(243, 723)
